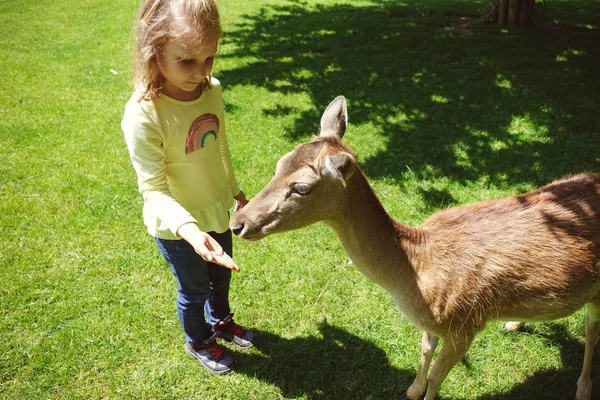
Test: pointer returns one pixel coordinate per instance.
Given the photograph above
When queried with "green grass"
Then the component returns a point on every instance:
(443, 110)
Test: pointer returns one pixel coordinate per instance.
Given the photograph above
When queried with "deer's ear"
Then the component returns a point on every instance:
(340, 166)
(335, 118)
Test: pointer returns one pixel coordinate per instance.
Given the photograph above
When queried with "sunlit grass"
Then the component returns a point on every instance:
(437, 118)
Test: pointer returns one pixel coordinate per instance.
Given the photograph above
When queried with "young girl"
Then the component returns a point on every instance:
(174, 129)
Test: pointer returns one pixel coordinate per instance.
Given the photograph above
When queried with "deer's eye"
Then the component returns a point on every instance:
(302, 189)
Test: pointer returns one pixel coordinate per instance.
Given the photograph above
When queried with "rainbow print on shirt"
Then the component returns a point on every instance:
(204, 128)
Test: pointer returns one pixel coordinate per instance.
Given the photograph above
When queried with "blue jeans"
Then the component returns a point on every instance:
(203, 288)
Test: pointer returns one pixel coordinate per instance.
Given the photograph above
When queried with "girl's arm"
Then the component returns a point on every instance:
(146, 144)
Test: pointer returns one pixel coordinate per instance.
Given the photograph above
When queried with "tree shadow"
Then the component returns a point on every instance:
(555, 384)
(437, 198)
(339, 365)
(447, 96)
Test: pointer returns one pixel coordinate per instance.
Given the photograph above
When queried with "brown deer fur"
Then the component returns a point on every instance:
(528, 257)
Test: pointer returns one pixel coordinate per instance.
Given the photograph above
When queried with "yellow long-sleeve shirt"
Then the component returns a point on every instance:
(180, 154)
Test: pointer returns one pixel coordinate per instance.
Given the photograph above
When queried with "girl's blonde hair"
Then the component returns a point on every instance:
(169, 20)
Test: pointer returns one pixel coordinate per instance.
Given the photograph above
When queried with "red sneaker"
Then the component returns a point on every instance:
(211, 356)
(229, 331)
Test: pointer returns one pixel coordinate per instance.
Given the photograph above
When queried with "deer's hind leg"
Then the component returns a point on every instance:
(592, 326)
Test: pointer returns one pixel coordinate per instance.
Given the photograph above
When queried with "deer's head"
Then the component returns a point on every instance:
(308, 186)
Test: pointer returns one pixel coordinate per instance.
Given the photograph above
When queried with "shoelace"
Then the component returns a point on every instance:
(229, 325)
(237, 330)
(215, 350)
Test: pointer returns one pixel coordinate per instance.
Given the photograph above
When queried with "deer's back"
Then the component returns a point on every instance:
(532, 256)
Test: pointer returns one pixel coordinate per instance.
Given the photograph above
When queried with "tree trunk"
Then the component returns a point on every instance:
(513, 7)
(511, 12)
(523, 7)
(502, 12)
(494, 12)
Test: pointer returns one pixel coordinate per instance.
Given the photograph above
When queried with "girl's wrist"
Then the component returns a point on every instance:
(189, 231)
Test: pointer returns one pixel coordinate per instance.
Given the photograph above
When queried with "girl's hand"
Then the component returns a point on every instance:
(206, 246)
(211, 251)
(240, 201)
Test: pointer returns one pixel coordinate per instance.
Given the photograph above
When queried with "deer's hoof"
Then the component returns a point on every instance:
(405, 397)
(513, 326)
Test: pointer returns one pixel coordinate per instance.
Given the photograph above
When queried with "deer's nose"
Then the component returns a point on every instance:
(237, 229)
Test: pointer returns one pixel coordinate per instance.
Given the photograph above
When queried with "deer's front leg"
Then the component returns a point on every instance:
(428, 344)
(452, 351)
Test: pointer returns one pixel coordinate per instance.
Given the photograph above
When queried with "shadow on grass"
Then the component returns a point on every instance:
(554, 384)
(338, 366)
(448, 96)
(343, 366)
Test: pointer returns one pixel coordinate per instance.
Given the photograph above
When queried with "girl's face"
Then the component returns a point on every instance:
(183, 70)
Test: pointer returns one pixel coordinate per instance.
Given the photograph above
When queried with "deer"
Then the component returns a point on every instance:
(527, 257)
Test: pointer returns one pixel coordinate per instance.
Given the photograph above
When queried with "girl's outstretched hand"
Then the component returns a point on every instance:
(206, 246)
(211, 251)
(240, 201)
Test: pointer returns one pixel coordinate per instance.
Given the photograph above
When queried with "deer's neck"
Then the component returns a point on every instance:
(384, 250)
(380, 247)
